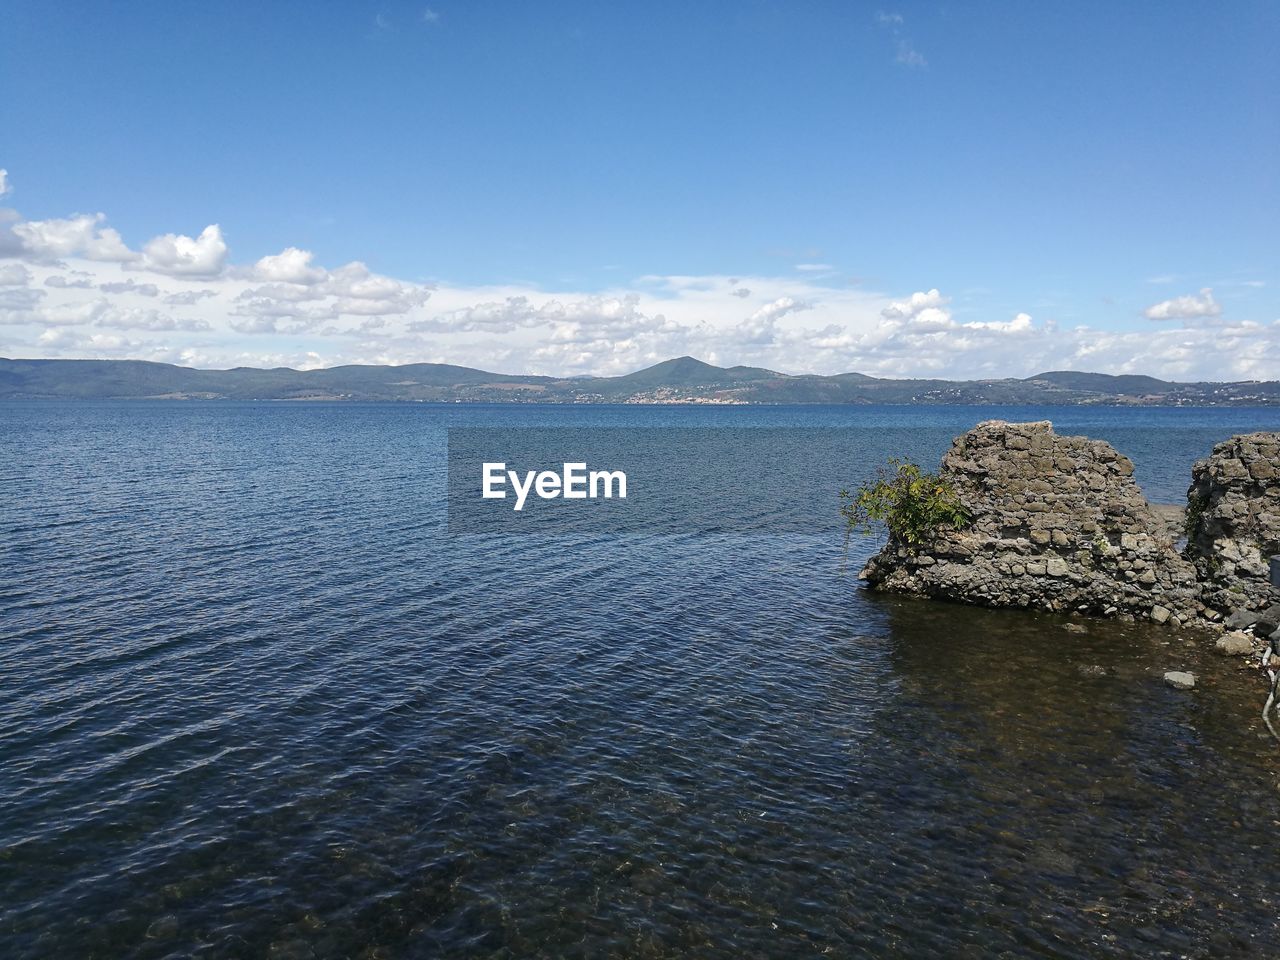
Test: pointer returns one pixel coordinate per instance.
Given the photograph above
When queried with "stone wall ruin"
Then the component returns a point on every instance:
(1233, 520)
(1059, 524)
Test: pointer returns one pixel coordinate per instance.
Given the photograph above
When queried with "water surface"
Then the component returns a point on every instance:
(254, 701)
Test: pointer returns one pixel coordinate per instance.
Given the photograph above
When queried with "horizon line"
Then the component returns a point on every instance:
(589, 376)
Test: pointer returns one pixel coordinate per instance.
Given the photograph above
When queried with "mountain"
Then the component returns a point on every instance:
(680, 380)
(688, 372)
(1127, 385)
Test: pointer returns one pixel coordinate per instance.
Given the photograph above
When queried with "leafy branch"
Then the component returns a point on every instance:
(911, 503)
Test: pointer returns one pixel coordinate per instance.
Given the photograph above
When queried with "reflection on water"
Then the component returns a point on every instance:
(253, 703)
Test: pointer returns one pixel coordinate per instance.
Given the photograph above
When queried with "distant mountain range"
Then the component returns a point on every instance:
(682, 380)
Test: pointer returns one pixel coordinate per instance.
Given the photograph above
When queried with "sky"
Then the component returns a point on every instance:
(917, 189)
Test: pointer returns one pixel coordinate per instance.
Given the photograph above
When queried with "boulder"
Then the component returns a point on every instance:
(1240, 620)
(1235, 644)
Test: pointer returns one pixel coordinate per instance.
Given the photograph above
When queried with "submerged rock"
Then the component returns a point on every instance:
(1058, 523)
(166, 928)
(1180, 680)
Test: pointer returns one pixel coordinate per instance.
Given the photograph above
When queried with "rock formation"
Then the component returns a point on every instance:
(1058, 524)
(1233, 520)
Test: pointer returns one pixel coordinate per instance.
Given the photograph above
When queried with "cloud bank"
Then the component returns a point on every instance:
(73, 287)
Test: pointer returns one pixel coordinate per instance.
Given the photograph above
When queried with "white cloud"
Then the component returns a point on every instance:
(5, 186)
(14, 275)
(294, 307)
(920, 331)
(813, 267)
(761, 328)
(17, 303)
(776, 310)
(430, 16)
(180, 256)
(137, 319)
(490, 317)
(74, 313)
(926, 307)
(265, 314)
(128, 286)
(1019, 324)
(290, 266)
(62, 283)
(187, 298)
(364, 293)
(355, 280)
(1185, 308)
(286, 292)
(70, 342)
(909, 56)
(77, 236)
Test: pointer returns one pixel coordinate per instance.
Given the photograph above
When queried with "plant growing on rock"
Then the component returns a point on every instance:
(1197, 504)
(911, 503)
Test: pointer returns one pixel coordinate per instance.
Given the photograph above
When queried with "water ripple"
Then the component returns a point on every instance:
(255, 702)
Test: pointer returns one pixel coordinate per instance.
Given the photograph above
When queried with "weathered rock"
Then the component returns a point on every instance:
(1268, 621)
(1064, 513)
(1235, 644)
(1233, 520)
(1174, 517)
(1180, 680)
(1240, 620)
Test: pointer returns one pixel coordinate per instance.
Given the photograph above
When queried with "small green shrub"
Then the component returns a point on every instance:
(1197, 504)
(911, 503)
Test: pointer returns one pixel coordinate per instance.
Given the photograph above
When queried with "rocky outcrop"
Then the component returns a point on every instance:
(1058, 524)
(1233, 520)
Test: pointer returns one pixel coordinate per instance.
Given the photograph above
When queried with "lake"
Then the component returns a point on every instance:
(258, 700)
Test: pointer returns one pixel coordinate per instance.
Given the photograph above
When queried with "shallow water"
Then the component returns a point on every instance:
(254, 701)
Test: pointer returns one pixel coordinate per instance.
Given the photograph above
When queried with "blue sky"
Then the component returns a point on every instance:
(1080, 164)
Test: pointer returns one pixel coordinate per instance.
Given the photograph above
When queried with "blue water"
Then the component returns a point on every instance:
(255, 701)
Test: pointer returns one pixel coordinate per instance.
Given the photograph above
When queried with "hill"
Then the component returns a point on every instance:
(679, 380)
